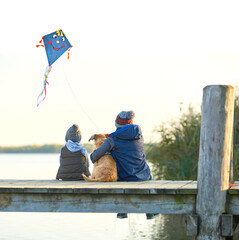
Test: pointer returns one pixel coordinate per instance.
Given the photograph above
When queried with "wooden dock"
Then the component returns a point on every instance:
(166, 197)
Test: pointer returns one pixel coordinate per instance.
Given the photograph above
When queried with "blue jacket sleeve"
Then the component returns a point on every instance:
(107, 146)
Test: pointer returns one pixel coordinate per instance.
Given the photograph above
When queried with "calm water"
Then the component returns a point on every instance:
(75, 226)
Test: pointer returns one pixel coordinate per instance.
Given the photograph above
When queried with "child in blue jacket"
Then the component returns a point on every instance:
(126, 146)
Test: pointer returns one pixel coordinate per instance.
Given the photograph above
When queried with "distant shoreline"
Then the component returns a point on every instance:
(46, 148)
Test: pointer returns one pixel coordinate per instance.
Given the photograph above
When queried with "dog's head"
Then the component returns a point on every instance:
(99, 139)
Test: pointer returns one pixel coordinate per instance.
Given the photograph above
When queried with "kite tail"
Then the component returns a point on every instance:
(48, 69)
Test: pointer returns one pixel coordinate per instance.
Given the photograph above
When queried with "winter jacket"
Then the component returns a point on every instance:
(72, 165)
(127, 148)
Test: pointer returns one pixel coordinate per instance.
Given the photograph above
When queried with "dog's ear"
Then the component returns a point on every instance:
(92, 138)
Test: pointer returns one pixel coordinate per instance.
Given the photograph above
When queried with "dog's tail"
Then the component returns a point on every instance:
(100, 179)
(89, 179)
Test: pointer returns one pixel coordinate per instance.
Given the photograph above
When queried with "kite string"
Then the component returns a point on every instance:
(80, 105)
(46, 74)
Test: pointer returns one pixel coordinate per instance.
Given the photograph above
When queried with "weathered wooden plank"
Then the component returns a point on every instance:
(154, 186)
(144, 187)
(227, 225)
(80, 196)
(35, 190)
(45, 202)
(60, 190)
(170, 187)
(233, 204)
(73, 184)
(190, 188)
(53, 186)
(111, 191)
(190, 185)
(11, 190)
(86, 190)
(137, 191)
(177, 191)
(192, 225)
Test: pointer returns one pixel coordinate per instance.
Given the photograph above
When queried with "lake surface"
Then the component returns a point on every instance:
(75, 226)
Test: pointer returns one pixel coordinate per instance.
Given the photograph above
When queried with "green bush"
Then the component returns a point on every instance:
(176, 155)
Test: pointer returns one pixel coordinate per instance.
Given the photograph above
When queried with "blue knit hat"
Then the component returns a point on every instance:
(124, 118)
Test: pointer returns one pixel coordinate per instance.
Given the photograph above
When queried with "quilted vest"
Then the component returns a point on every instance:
(72, 165)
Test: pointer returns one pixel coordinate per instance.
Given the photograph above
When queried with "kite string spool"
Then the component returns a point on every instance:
(47, 72)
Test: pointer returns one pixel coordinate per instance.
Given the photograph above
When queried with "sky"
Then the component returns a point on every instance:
(149, 56)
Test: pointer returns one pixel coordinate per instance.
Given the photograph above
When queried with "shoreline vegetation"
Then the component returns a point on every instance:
(46, 148)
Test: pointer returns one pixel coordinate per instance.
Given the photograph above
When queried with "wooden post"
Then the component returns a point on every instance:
(214, 159)
(232, 162)
(231, 176)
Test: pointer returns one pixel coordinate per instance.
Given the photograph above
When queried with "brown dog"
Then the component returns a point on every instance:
(105, 168)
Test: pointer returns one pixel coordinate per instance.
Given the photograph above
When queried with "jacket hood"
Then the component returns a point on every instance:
(129, 132)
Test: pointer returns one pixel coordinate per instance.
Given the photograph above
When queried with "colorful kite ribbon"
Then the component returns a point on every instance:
(47, 72)
(53, 53)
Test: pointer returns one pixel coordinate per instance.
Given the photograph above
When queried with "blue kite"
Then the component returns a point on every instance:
(55, 45)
